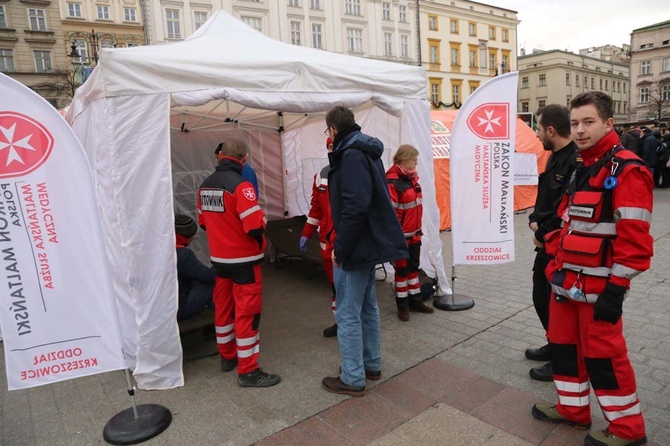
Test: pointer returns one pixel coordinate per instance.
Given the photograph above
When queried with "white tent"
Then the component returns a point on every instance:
(150, 118)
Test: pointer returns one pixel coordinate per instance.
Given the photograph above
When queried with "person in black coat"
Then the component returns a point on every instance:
(648, 151)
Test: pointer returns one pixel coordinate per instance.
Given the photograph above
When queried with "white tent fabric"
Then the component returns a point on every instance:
(150, 118)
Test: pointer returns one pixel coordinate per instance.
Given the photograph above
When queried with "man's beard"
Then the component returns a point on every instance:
(547, 145)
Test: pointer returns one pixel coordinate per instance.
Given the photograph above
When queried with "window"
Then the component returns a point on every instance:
(38, 20)
(293, 3)
(107, 44)
(388, 44)
(255, 22)
(624, 89)
(434, 52)
(601, 84)
(472, 29)
(472, 56)
(567, 101)
(435, 91)
(82, 49)
(492, 60)
(453, 26)
(586, 81)
(199, 18)
(355, 40)
(524, 107)
(492, 32)
(593, 83)
(455, 57)
(541, 103)
(317, 36)
(456, 94)
(6, 61)
(505, 35)
(473, 86)
(3, 18)
(130, 15)
(666, 62)
(402, 14)
(644, 95)
(542, 80)
(386, 11)
(432, 22)
(606, 85)
(665, 93)
(42, 61)
(173, 26)
(505, 63)
(524, 82)
(576, 80)
(567, 78)
(645, 67)
(625, 106)
(352, 7)
(132, 44)
(74, 9)
(315, 4)
(103, 12)
(295, 33)
(404, 45)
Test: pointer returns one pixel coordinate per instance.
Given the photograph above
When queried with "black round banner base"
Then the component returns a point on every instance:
(124, 428)
(453, 302)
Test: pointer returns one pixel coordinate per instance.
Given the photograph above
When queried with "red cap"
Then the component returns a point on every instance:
(329, 141)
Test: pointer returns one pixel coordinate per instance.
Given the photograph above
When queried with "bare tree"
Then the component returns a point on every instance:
(659, 99)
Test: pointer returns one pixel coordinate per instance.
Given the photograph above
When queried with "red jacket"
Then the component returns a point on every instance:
(319, 211)
(605, 235)
(228, 210)
(406, 198)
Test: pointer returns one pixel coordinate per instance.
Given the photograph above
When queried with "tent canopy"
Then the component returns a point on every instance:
(150, 117)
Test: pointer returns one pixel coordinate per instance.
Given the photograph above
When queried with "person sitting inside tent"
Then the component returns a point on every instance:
(196, 281)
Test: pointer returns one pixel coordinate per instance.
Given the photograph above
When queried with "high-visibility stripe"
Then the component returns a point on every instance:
(575, 401)
(409, 205)
(600, 271)
(566, 386)
(590, 297)
(249, 211)
(413, 281)
(631, 213)
(624, 271)
(322, 246)
(244, 342)
(414, 291)
(225, 339)
(593, 228)
(401, 294)
(312, 221)
(238, 259)
(402, 284)
(224, 329)
(322, 182)
(607, 400)
(611, 415)
(248, 353)
(410, 234)
(332, 305)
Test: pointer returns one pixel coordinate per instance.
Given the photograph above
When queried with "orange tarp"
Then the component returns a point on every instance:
(526, 142)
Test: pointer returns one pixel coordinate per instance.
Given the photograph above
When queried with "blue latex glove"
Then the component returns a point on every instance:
(303, 244)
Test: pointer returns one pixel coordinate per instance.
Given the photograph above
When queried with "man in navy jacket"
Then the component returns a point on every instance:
(366, 232)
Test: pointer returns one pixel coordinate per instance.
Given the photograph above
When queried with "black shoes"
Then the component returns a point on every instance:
(330, 332)
(258, 378)
(539, 354)
(418, 306)
(548, 413)
(542, 373)
(403, 314)
(228, 365)
(335, 385)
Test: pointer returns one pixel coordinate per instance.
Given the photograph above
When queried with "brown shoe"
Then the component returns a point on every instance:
(548, 413)
(403, 314)
(373, 376)
(419, 307)
(335, 385)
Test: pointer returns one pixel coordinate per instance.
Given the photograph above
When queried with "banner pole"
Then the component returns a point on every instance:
(453, 301)
(137, 423)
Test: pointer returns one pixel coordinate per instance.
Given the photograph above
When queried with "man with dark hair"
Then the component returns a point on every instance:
(603, 244)
(553, 130)
(228, 210)
(366, 232)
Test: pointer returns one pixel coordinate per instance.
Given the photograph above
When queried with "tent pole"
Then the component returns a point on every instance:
(453, 301)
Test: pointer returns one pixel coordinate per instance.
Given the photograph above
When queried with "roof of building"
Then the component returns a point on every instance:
(539, 52)
(654, 26)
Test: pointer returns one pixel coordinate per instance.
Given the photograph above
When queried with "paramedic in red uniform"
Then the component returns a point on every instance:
(406, 196)
(228, 210)
(321, 218)
(603, 244)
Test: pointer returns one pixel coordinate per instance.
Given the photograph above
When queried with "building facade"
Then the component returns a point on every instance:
(30, 45)
(608, 52)
(555, 77)
(650, 72)
(463, 44)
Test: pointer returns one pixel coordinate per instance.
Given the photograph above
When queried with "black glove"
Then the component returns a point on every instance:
(609, 305)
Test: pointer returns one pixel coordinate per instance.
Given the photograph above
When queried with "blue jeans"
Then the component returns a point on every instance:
(357, 316)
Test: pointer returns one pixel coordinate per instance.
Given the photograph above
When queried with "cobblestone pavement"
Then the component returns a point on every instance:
(451, 375)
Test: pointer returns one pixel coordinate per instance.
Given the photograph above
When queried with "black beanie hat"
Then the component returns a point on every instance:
(185, 225)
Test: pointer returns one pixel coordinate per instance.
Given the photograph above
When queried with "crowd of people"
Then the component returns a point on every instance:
(590, 223)
(653, 146)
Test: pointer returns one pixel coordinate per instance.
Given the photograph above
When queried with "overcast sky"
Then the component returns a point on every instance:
(576, 24)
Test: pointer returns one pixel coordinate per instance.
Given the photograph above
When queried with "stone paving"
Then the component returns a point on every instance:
(449, 378)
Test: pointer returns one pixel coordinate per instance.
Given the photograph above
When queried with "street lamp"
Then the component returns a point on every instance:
(94, 39)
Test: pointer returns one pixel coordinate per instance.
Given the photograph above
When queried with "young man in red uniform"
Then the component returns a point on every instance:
(321, 218)
(603, 244)
(228, 210)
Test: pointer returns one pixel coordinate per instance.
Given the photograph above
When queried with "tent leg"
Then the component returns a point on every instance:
(453, 301)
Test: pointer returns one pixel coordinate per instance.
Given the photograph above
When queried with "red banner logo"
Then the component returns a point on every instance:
(25, 144)
(490, 121)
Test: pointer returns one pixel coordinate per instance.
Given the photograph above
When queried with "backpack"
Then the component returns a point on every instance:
(663, 153)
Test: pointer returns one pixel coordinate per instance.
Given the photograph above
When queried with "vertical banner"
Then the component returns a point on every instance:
(57, 308)
(482, 174)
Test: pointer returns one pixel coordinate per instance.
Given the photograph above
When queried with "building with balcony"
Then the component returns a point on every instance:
(555, 77)
(650, 72)
(464, 44)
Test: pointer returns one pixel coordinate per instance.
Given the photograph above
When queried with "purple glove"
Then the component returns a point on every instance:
(303, 244)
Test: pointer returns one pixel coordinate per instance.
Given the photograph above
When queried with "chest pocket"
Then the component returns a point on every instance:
(586, 205)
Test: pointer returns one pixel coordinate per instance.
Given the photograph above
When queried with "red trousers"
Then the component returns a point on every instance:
(407, 275)
(237, 313)
(584, 350)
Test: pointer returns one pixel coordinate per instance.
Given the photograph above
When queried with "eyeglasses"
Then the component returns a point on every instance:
(327, 131)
